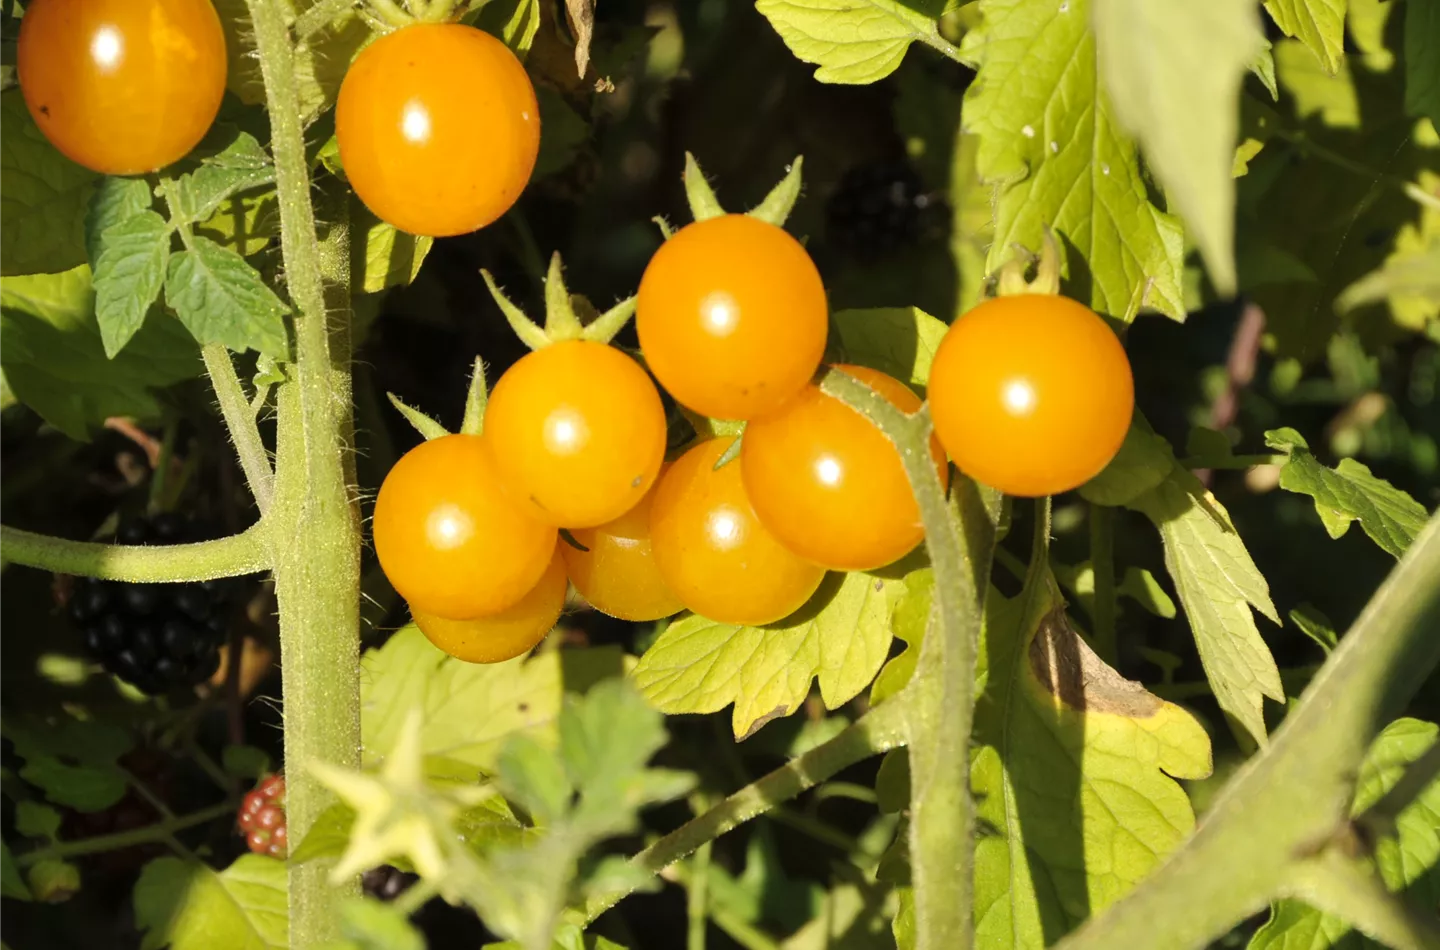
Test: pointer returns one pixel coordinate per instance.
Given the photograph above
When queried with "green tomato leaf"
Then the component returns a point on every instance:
(1144, 460)
(371, 925)
(1263, 66)
(1408, 862)
(853, 42)
(898, 341)
(36, 820)
(1422, 59)
(1349, 493)
(54, 360)
(841, 636)
(1409, 278)
(565, 133)
(469, 709)
(200, 194)
(1319, 24)
(43, 197)
(187, 905)
(221, 299)
(115, 200)
(1050, 141)
(73, 761)
(245, 223)
(245, 761)
(1218, 583)
(1316, 626)
(1073, 778)
(128, 277)
(384, 257)
(1173, 73)
(12, 882)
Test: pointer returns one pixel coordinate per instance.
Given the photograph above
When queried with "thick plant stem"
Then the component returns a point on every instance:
(1352, 890)
(316, 543)
(879, 730)
(238, 554)
(941, 711)
(240, 420)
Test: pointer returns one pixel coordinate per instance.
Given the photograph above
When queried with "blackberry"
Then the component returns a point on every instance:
(157, 637)
(262, 818)
(386, 883)
(876, 208)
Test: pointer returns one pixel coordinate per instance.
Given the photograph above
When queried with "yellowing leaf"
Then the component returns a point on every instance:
(187, 905)
(1049, 139)
(1173, 74)
(1074, 777)
(1319, 24)
(469, 709)
(1218, 583)
(852, 41)
(841, 637)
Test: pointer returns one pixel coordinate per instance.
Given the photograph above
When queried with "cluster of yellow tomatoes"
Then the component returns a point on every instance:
(438, 132)
(1029, 393)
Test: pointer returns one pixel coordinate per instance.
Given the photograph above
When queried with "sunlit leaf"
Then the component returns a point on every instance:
(1049, 139)
(43, 197)
(1074, 778)
(852, 41)
(187, 905)
(1319, 24)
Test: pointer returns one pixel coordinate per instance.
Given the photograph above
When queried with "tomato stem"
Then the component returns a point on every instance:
(315, 542)
(960, 538)
(240, 421)
(243, 553)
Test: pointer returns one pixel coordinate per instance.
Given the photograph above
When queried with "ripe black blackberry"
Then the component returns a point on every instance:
(876, 208)
(157, 637)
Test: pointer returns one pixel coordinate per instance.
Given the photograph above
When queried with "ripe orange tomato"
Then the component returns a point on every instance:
(1031, 394)
(714, 553)
(504, 635)
(123, 87)
(449, 538)
(438, 128)
(618, 574)
(828, 484)
(732, 316)
(577, 431)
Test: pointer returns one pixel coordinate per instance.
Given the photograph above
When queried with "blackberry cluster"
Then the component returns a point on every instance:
(262, 818)
(157, 637)
(876, 208)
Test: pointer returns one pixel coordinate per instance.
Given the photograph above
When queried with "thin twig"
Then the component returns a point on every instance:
(127, 839)
(1239, 373)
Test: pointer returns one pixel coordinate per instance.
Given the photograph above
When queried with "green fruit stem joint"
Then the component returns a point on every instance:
(1010, 279)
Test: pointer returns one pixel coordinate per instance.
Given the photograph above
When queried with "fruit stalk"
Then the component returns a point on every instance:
(940, 699)
(315, 536)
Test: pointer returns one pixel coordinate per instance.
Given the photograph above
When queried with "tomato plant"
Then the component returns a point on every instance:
(577, 431)
(1009, 523)
(122, 88)
(1031, 394)
(731, 316)
(828, 484)
(448, 536)
(712, 550)
(438, 128)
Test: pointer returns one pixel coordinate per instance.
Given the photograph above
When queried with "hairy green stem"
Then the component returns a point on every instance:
(316, 544)
(1102, 562)
(941, 711)
(935, 41)
(1350, 889)
(1287, 803)
(160, 831)
(243, 553)
(240, 420)
(879, 730)
(321, 16)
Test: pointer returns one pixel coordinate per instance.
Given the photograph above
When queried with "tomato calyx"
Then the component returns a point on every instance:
(774, 209)
(475, 400)
(563, 312)
(386, 16)
(1010, 280)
